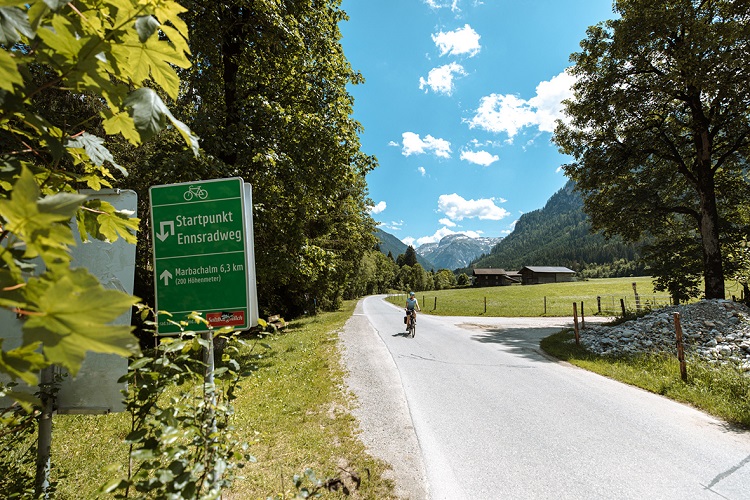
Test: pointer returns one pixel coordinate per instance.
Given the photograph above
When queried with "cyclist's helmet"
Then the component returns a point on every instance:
(411, 294)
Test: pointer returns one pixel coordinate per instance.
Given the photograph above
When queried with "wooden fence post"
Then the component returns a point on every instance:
(485, 305)
(434, 308)
(545, 304)
(583, 317)
(575, 323)
(637, 298)
(599, 303)
(622, 305)
(680, 347)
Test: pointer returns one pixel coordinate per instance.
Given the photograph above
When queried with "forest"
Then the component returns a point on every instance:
(560, 234)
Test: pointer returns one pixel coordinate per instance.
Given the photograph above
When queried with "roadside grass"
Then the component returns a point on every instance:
(551, 299)
(292, 409)
(722, 391)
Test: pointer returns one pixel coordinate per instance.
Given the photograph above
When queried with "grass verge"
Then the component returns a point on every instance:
(720, 391)
(292, 408)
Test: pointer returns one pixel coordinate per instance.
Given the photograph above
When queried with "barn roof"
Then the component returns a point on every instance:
(548, 269)
(489, 272)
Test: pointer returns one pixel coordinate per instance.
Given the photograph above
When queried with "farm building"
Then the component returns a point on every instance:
(495, 277)
(534, 275)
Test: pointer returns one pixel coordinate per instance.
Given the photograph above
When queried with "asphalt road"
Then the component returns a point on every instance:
(472, 409)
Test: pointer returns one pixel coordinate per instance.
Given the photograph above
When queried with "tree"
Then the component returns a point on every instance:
(108, 57)
(444, 279)
(404, 278)
(463, 279)
(659, 120)
(268, 95)
(674, 257)
(408, 258)
(374, 274)
(420, 278)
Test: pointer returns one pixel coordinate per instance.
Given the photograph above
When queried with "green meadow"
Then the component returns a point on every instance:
(600, 297)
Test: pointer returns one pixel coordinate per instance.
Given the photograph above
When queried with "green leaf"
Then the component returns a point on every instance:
(13, 23)
(24, 399)
(186, 133)
(148, 111)
(63, 204)
(23, 362)
(37, 223)
(114, 485)
(11, 295)
(104, 222)
(73, 316)
(143, 454)
(56, 4)
(122, 123)
(136, 436)
(117, 225)
(61, 38)
(95, 149)
(152, 60)
(146, 26)
(9, 74)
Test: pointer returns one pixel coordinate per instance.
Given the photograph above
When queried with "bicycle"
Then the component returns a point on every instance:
(411, 323)
(196, 191)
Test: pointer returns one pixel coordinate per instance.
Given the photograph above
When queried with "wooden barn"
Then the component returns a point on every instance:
(535, 275)
(495, 277)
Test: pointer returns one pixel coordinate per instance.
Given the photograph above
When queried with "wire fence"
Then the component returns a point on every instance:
(471, 304)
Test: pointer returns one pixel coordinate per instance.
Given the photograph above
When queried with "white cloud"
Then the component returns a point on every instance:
(422, 171)
(463, 41)
(408, 241)
(479, 157)
(379, 207)
(456, 207)
(447, 222)
(414, 145)
(435, 4)
(394, 144)
(392, 226)
(440, 79)
(509, 113)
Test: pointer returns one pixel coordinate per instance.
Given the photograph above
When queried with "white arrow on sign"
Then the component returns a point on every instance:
(162, 235)
(166, 276)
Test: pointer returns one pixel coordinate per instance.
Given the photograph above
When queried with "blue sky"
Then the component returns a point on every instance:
(458, 106)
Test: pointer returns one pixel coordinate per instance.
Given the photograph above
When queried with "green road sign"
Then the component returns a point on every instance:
(201, 253)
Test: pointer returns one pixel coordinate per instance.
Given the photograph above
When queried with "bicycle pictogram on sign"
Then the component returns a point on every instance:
(195, 191)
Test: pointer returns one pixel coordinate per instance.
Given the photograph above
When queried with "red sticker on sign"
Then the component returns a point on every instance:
(226, 318)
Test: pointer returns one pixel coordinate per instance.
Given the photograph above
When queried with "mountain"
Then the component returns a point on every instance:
(456, 250)
(560, 235)
(389, 243)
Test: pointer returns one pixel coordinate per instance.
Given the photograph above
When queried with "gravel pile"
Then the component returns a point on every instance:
(715, 330)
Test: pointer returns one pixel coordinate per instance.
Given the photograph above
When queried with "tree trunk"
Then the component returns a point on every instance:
(231, 48)
(713, 269)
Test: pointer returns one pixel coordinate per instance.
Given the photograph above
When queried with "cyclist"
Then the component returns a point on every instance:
(412, 305)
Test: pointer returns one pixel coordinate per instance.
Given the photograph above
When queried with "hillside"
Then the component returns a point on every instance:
(560, 235)
(456, 250)
(389, 243)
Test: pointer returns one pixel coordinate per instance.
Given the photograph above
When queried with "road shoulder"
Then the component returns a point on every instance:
(381, 409)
